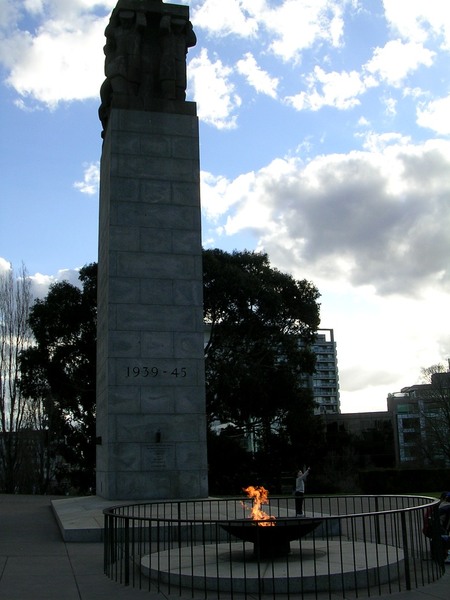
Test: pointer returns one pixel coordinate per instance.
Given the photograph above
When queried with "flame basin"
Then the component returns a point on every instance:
(271, 540)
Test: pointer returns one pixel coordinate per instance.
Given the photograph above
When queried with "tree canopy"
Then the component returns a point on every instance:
(261, 324)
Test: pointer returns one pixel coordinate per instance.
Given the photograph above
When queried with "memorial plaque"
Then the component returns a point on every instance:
(158, 457)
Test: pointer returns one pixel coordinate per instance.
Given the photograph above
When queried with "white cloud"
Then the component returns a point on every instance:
(216, 199)
(214, 92)
(340, 90)
(8, 14)
(61, 59)
(257, 77)
(396, 60)
(14, 47)
(220, 195)
(390, 106)
(91, 179)
(26, 106)
(300, 24)
(5, 265)
(291, 26)
(391, 64)
(220, 20)
(379, 218)
(63, 62)
(420, 20)
(435, 115)
(34, 6)
(377, 142)
(74, 9)
(40, 283)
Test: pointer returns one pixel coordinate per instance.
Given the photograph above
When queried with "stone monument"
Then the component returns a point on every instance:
(151, 425)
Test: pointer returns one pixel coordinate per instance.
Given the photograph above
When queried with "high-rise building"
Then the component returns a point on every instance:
(325, 381)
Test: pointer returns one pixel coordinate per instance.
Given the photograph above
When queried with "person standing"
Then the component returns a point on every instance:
(300, 491)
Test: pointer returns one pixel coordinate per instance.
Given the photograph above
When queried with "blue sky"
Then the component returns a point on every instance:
(324, 134)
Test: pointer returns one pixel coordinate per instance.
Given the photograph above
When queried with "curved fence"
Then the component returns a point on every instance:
(343, 546)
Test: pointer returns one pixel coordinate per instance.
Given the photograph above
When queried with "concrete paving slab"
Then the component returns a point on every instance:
(36, 563)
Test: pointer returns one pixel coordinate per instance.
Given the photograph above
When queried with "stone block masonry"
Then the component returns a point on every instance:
(151, 424)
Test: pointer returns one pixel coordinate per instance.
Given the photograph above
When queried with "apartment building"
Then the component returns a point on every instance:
(325, 381)
(420, 415)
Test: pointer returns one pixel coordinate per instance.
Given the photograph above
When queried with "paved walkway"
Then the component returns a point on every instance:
(36, 564)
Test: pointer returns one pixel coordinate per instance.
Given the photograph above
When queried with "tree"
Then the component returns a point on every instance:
(435, 414)
(58, 371)
(230, 465)
(261, 324)
(15, 336)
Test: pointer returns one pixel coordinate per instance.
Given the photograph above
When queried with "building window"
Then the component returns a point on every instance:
(412, 424)
(411, 437)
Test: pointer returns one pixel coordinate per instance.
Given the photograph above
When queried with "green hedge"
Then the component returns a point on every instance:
(397, 481)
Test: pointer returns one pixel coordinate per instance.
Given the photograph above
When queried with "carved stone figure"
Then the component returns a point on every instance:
(145, 55)
(177, 36)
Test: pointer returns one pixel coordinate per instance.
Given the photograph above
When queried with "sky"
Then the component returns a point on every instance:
(324, 141)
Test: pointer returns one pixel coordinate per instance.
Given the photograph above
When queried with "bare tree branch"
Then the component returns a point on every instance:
(15, 336)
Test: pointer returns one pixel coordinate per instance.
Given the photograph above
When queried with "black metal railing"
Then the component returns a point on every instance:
(345, 546)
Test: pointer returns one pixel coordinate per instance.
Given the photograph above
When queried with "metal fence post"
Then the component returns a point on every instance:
(405, 550)
(127, 552)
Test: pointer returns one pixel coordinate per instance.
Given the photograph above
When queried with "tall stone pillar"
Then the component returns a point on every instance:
(151, 425)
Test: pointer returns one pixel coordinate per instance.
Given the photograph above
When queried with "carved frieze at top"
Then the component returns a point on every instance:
(145, 55)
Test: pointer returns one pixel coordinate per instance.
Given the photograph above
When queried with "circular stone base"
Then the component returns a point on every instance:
(233, 567)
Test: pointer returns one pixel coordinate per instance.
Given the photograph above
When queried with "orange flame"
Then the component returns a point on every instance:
(259, 495)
